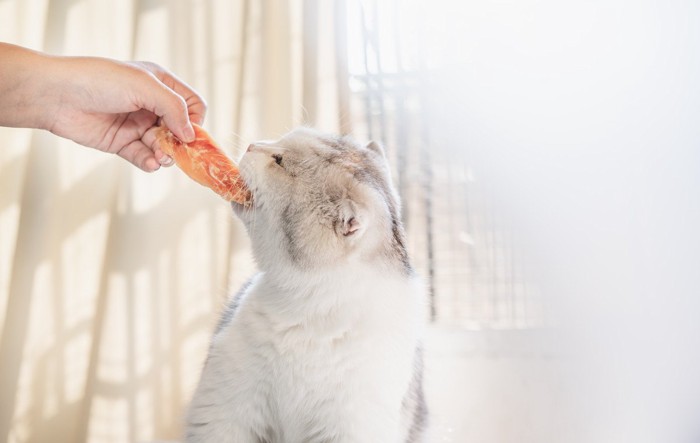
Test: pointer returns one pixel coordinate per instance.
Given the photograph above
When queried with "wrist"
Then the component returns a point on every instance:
(25, 91)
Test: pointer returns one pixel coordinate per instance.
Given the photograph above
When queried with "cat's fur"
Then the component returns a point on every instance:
(323, 344)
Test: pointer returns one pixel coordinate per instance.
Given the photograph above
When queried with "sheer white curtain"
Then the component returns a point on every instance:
(111, 278)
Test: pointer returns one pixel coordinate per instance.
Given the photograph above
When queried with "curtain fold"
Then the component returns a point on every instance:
(111, 279)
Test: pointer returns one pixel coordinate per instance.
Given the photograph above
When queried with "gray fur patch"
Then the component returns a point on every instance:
(414, 404)
(288, 223)
(398, 245)
(232, 306)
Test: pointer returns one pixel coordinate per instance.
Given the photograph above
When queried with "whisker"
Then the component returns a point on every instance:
(238, 145)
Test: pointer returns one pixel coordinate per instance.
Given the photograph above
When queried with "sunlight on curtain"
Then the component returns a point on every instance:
(110, 278)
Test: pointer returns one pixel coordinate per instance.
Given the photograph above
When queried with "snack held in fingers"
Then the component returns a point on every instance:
(204, 162)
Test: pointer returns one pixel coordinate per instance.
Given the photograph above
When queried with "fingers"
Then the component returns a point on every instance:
(151, 141)
(169, 106)
(140, 155)
(158, 91)
(197, 109)
(189, 105)
(196, 106)
(164, 159)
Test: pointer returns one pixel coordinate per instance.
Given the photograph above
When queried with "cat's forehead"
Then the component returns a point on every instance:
(307, 139)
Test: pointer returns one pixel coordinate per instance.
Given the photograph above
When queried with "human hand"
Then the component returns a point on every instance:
(101, 103)
(111, 106)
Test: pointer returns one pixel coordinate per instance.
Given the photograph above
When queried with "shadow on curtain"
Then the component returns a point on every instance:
(111, 279)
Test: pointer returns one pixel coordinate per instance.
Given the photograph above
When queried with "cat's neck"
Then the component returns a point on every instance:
(340, 285)
(353, 273)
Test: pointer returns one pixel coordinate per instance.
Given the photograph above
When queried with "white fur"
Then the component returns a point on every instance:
(322, 360)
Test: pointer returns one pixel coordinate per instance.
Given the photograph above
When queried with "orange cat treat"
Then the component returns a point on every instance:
(204, 162)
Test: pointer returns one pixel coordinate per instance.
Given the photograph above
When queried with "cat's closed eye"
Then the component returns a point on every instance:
(277, 158)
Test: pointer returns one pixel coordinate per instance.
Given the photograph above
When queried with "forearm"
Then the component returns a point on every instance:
(27, 87)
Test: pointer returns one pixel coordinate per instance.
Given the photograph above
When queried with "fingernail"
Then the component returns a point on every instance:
(166, 160)
(152, 165)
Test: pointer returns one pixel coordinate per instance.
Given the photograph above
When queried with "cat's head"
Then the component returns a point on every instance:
(319, 201)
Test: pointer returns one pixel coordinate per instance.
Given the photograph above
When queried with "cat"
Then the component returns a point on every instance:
(323, 344)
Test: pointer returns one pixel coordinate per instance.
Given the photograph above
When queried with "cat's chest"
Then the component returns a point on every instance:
(317, 359)
(320, 341)
(344, 329)
(319, 374)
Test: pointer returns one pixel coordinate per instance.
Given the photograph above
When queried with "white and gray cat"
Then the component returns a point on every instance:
(323, 345)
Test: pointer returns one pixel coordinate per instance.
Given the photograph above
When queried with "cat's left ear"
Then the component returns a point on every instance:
(350, 221)
(376, 147)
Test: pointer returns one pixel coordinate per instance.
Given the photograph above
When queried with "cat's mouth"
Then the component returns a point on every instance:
(241, 209)
(247, 206)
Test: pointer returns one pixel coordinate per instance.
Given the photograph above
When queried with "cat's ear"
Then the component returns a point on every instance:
(376, 147)
(349, 221)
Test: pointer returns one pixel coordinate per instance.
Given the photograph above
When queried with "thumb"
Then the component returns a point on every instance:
(169, 106)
